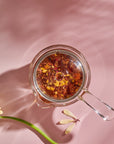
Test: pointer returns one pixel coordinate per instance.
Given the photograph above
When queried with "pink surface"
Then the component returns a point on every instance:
(28, 26)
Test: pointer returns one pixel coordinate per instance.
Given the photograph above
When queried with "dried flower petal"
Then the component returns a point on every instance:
(50, 88)
(43, 70)
(66, 121)
(69, 129)
(69, 113)
(1, 112)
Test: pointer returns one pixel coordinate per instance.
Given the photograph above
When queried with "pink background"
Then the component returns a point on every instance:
(26, 27)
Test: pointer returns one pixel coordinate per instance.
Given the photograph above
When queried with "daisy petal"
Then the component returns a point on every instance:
(1, 112)
(69, 129)
(68, 113)
(66, 121)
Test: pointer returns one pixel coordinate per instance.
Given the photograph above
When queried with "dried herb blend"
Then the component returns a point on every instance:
(59, 76)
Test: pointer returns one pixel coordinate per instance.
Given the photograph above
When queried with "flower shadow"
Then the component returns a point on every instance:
(15, 100)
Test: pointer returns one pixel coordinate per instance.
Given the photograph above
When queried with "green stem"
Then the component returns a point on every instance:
(31, 125)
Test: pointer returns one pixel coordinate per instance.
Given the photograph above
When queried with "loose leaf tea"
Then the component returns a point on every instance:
(59, 76)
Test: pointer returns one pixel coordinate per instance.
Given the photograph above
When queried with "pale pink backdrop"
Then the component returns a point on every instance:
(26, 27)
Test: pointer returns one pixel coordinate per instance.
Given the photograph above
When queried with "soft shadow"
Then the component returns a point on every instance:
(16, 98)
(27, 20)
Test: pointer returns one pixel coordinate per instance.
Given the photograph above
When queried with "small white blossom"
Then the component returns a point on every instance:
(67, 121)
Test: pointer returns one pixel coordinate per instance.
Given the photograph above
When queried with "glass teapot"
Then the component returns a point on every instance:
(60, 75)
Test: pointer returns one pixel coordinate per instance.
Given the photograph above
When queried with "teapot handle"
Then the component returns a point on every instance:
(101, 108)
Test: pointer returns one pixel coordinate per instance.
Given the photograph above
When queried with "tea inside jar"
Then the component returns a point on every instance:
(59, 76)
